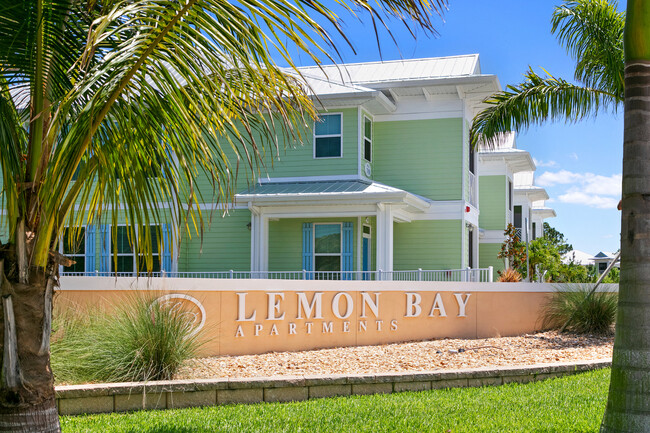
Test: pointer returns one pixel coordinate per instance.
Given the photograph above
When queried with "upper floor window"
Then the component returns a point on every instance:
(367, 139)
(328, 139)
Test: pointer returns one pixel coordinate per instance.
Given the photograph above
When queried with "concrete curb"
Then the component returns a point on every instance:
(174, 394)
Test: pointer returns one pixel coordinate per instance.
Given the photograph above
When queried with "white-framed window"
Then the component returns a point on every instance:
(367, 138)
(328, 136)
(327, 250)
(73, 246)
(126, 256)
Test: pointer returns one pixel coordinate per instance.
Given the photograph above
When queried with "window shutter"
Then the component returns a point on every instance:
(105, 238)
(167, 254)
(348, 234)
(90, 246)
(307, 250)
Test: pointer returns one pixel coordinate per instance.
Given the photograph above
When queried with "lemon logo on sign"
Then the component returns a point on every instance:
(189, 306)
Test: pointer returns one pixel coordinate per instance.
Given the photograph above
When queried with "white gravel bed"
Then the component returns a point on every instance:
(547, 347)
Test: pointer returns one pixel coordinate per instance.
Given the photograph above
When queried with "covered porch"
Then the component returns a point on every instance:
(336, 229)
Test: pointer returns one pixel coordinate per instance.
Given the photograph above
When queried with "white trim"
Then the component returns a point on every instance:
(327, 136)
(99, 284)
(359, 242)
(343, 177)
(395, 117)
(492, 237)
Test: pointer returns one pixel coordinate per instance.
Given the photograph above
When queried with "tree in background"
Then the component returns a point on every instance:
(121, 105)
(513, 251)
(557, 239)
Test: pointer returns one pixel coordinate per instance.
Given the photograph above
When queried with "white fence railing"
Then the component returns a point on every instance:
(481, 275)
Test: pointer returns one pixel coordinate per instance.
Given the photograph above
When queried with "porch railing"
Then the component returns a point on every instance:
(470, 275)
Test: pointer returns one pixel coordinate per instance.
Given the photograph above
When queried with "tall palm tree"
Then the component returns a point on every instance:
(628, 409)
(122, 104)
(612, 53)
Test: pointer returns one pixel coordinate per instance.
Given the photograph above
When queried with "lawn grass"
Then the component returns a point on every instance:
(568, 404)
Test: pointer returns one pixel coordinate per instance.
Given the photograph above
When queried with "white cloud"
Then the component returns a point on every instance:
(586, 189)
(573, 156)
(591, 200)
(540, 163)
(549, 178)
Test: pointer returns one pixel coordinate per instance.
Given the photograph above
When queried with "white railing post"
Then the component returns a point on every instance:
(490, 274)
(419, 274)
(163, 274)
(378, 274)
(232, 274)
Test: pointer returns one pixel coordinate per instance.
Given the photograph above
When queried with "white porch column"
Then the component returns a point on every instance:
(255, 230)
(385, 239)
(259, 242)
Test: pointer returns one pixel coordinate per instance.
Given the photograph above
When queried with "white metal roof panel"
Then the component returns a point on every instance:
(397, 70)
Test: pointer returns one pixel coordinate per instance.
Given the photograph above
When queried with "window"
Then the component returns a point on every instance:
(327, 136)
(517, 217)
(509, 195)
(126, 260)
(367, 139)
(327, 250)
(75, 249)
(602, 267)
(534, 231)
(472, 158)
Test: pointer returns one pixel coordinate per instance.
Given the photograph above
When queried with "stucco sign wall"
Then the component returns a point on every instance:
(257, 316)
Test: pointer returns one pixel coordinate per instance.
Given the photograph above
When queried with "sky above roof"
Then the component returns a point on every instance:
(578, 164)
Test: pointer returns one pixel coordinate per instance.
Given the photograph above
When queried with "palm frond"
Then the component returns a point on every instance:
(536, 100)
(158, 94)
(592, 33)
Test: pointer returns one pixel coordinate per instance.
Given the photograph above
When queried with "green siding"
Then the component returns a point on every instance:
(285, 242)
(294, 158)
(492, 202)
(226, 245)
(427, 245)
(421, 156)
(488, 257)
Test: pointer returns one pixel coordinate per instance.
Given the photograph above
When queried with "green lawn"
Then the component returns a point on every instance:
(569, 404)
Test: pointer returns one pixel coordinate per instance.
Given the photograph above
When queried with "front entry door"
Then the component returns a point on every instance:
(366, 252)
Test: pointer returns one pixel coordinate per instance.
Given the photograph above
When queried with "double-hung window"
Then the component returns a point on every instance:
(74, 248)
(367, 139)
(327, 251)
(328, 139)
(126, 256)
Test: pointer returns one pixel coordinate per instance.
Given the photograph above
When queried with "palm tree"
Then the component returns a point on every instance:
(627, 404)
(109, 105)
(592, 33)
(612, 53)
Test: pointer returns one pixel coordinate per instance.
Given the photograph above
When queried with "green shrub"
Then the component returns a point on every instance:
(139, 340)
(594, 315)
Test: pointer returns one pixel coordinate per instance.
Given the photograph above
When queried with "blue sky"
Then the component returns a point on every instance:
(578, 164)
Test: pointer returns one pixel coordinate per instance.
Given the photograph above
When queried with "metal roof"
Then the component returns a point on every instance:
(330, 192)
(317, 187)
(397, 70)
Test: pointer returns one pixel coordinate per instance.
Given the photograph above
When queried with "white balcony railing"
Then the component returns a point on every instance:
(473, 190)
(477, 275)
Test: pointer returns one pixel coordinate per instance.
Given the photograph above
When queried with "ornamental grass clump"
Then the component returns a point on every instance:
(139, 340)
(584, 314)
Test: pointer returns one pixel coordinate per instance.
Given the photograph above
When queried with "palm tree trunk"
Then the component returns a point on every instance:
(628, 403)
(27, 401)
